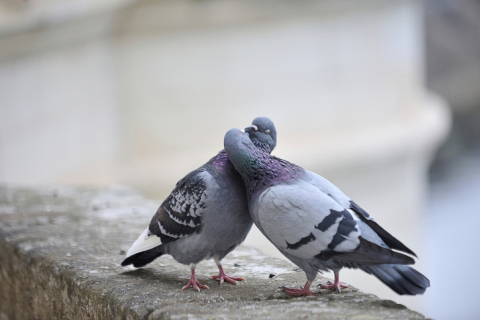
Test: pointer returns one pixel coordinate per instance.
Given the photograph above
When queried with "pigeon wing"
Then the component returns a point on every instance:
(307, 223)
(390, 240)
(303, 221)
(334, 192)
(180, 215)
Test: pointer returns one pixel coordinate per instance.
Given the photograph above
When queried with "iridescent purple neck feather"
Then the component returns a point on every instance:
(221, 163)
(258, 168)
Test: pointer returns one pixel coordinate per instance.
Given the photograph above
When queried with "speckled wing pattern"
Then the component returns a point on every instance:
(180, 215)
(303, 221)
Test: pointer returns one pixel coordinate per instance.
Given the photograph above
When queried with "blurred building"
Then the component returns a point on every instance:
(142, 92)
(453, 68)
(452, 30)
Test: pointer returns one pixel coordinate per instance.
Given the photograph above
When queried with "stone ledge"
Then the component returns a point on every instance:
(60, 250)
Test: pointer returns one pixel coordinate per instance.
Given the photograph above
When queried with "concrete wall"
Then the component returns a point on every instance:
(60, 254)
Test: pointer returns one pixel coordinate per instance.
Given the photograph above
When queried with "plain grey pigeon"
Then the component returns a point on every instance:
(205, 216)
(314, 224)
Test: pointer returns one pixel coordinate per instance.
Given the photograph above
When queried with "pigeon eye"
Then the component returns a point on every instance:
(267, 131)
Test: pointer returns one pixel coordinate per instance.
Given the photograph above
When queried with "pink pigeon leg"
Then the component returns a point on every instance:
(194, 282)
(303, 291)
(222, 276)
(336, 284)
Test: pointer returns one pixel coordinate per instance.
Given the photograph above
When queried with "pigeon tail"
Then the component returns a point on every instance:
(402, 279)
(144, 250)
(143, 258)
(144, 242)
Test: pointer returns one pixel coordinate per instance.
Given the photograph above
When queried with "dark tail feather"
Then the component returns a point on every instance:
(390, 240)
(400, 278)
(143, 258)
(369, 253)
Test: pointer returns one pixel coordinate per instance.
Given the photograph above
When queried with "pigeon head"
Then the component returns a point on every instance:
(239, 143)
(240, 150)
(263, 134)
(256, 166)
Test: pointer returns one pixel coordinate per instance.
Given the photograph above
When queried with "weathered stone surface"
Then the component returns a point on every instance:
(60, 250)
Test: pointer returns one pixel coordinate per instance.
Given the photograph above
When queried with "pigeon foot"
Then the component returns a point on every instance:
(337, 285)
(303, 291)
(222, 276)
(194, 283)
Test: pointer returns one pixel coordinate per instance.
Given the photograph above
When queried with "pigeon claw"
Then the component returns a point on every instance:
(334, 285)
(194, 283)
(299, 292)
(226, 278)
(222, 276)
(303, 291)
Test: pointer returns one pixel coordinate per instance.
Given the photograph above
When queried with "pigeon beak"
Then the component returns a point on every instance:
(251, 128)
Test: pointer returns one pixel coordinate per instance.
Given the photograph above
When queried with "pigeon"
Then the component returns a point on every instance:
(205, 216)
(315, 225)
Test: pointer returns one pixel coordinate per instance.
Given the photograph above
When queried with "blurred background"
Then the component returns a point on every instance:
(380, 97)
